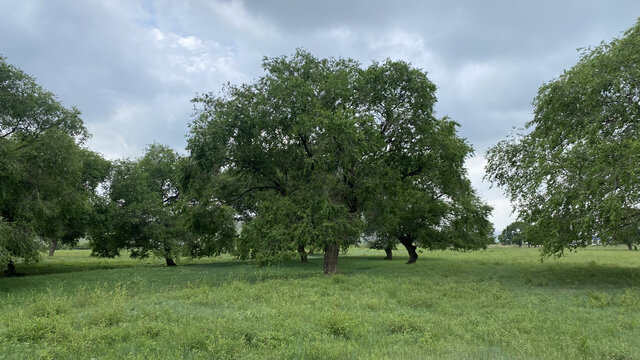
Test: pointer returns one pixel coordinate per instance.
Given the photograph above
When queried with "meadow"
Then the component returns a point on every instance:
(502, 303)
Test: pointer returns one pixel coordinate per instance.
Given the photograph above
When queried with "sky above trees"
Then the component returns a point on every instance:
(132, 67)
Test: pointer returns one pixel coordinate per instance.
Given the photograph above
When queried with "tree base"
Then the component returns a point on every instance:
(411, 249)
(11, 270)
(303, 254)
(331, 252)
(52, 247)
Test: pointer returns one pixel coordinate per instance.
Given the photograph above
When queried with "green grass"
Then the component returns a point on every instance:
(496, 304)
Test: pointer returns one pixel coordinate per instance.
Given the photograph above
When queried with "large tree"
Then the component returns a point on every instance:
(573, 172)
(419, 194)
(303, 153)
(39, 138)
(280, 150)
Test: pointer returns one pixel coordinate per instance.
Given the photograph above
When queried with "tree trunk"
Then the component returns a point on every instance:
(169, 261)
(629, 246)
(303, 254)
(411, 249)
(389, 253)
(331, 258)
(53, 246)
(11, 270)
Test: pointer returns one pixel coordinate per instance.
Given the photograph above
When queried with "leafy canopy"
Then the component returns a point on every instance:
(317, 151)
(514, 234)
(45, 176)
(144, 211)
(574, 171)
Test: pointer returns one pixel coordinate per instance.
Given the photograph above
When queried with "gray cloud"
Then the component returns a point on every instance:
(132, 67)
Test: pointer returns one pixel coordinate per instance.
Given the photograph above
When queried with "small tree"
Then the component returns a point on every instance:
(148, 212)
(142, 212)
(513, 234)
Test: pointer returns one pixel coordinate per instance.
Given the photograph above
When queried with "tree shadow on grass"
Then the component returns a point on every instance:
(476, 269)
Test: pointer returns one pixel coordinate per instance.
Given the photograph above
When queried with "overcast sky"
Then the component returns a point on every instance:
(132, 67)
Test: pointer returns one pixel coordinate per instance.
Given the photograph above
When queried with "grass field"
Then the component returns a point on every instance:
(496, 304)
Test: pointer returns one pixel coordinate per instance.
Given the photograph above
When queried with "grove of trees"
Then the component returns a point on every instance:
(514, 234)
(316, 154)
(323, 154)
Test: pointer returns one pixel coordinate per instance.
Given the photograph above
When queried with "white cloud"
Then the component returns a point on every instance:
(501, 216)
(191, 43)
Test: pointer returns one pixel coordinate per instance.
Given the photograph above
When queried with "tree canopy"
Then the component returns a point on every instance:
(573, 171)
(514, 234)
(143, 211)
(46, 177)
(313, 155)
(313, 147)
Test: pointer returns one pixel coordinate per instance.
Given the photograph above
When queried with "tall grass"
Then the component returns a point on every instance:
(496, 304)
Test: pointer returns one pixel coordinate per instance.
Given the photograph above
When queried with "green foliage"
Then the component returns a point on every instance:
(418, 193)
(317, 151)
(66, 178)
(498, 303)
(514, 234)
(27, 110)
(46, 178)
(288, 139)
(143, 211)
(574, 173)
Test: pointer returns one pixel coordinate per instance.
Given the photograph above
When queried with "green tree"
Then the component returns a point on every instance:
(315, 144)
(143, 211)
(416, 192)
(30, 119)
(277, 151)
(514, 234)
(65, 177)
(573, 172)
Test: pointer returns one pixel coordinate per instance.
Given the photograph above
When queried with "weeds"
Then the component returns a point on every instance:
(501, 303)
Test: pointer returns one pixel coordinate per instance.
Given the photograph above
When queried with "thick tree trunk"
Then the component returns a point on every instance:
(303, 254)
(331, 259)
(411, 249)
(389, 253)
(629, 246)
(169, 261)
(53, 246)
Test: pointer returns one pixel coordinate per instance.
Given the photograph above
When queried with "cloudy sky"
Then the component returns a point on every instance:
(131, 67)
